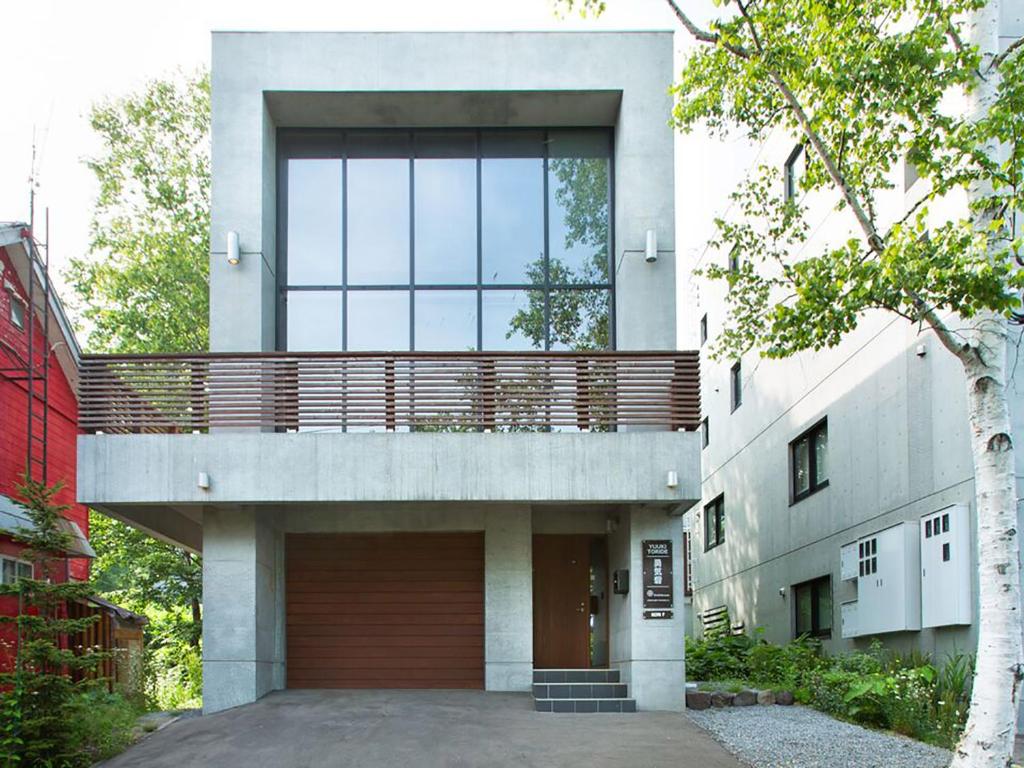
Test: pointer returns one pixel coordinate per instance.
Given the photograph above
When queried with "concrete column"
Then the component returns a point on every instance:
(243, 602)
(648, 652)
(508, 598)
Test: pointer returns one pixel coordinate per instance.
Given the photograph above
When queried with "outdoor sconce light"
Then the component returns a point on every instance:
(672, 479)
(203, 481)
(233, 252)
(651, 251)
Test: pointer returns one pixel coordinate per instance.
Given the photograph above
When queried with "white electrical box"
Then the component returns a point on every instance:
(946, 567)
(888, 581)
(848, 561)
(848, 618)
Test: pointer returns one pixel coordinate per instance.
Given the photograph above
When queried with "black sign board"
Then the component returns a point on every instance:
(657, 555)
(657, 614)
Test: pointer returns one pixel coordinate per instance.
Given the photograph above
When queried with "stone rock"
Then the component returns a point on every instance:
(785, 698)
(765, 697)
(722, 698)
(745, 698)
(698, 699)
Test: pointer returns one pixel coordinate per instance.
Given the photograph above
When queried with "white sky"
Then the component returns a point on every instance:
(69, 54)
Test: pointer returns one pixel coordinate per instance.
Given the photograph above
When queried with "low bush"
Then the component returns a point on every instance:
(905, 693)
(102, 725)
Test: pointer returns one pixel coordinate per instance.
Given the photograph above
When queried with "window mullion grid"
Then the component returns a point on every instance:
(344, 247)
(812, 462)
(479, 244)
(412, 244)
(547, 253)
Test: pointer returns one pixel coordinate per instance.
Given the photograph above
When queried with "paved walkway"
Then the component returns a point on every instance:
(395, 729)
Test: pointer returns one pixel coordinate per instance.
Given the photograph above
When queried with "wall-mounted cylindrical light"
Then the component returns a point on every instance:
(651, 250)
(672, 479)
(233, 251)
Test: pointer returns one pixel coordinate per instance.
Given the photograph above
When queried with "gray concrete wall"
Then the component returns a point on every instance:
(654, 668)
(898, 436)
(121, 471)
(261, 81)
(243, 604)
(243, 578)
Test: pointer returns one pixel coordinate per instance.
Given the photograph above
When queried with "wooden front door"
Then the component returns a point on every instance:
(561, 600)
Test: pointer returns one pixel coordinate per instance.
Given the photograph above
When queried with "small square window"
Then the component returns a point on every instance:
(927, 529)
(705, 436)
(11, 570)
(945, 552)
(17, 312)
(945, 523)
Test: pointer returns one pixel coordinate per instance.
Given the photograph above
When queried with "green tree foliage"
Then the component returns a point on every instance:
(143, 288)
(38, 699)
(143, 285)
(866, 85)
(141, 573)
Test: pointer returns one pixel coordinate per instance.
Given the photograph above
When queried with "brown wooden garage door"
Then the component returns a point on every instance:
(396, 610)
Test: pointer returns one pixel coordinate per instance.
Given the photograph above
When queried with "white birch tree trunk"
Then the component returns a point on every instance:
(991, 726)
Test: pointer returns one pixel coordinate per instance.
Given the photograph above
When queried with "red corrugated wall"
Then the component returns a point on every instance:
(63, 429)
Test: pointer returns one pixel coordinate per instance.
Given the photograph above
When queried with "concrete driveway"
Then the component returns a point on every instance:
(396, 729)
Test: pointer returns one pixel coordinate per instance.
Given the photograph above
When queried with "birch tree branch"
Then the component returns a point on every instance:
(998, 59)
(866, 222)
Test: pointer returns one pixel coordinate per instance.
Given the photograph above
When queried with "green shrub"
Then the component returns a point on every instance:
(828, 688)
(177, 677)
(902, 692)
(102, 724)
(718, 658)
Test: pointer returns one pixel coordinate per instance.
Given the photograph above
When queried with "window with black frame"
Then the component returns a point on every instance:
(714, 523)
(808, 460)
(445, 240)
(812, 606)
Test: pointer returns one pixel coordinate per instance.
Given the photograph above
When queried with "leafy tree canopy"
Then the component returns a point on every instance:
(143, 285)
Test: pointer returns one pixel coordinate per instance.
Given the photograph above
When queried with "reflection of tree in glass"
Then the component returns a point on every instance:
(579, 318)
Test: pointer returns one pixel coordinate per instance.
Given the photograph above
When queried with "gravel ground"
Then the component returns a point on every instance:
(799, 737)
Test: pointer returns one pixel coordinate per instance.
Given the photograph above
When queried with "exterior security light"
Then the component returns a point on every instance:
(233, 252)
(672, 479)
(203, 481)
(651, 251)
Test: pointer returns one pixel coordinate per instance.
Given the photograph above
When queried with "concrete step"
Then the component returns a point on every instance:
(575, 675)
(586, 706)
(579, 690)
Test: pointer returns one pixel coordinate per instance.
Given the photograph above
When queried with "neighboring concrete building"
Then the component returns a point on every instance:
(443, 437)
(838, 494)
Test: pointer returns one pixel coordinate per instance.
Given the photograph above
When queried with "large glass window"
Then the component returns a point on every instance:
(445, 240)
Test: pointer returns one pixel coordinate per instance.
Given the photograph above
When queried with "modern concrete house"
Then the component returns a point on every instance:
(837, 487)
(443, 437)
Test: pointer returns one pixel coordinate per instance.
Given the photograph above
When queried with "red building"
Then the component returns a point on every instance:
(38, 355)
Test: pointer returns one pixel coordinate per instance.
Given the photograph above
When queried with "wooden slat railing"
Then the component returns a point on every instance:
(421, 391)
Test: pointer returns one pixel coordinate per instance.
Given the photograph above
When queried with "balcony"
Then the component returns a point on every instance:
(409, 391)
(168, 436)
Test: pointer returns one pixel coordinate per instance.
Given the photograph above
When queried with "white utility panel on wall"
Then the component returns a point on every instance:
(888, 583)
(946, 567)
